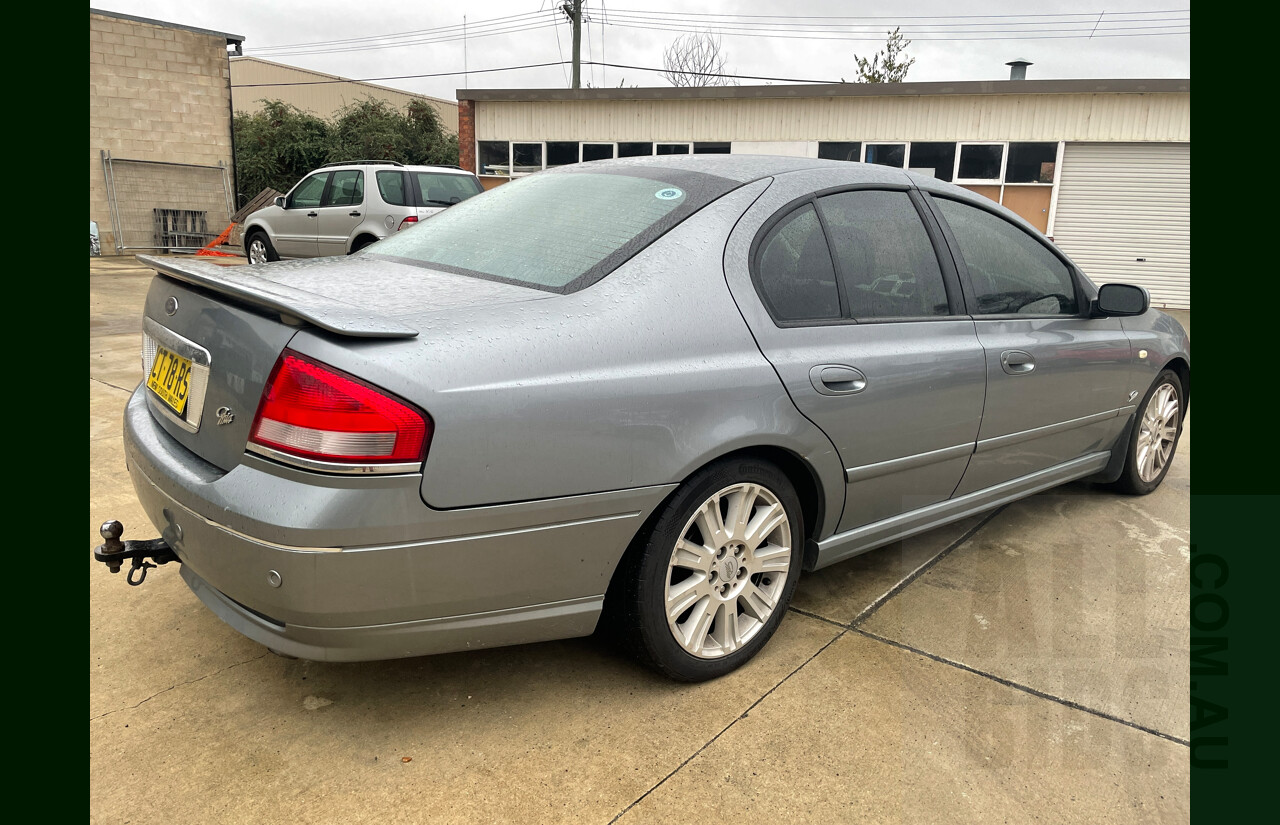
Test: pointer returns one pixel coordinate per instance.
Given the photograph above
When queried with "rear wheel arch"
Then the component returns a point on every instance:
(1182, 369)
(361, 241)
(802, 476)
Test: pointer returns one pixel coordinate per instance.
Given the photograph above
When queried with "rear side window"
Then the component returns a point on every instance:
(391, 188)
(557, 231)
(439, 189)
(1009, 269)
(346, 189)
(796, 276)
(887, 263)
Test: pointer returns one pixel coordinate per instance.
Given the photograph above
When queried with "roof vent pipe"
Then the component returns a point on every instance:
(1018, 68)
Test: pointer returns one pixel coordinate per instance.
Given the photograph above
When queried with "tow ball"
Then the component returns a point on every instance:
(113, 552)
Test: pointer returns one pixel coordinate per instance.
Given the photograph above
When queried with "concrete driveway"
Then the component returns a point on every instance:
(1027, 665)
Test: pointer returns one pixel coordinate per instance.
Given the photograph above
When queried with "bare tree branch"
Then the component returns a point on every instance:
(695, 59)
(885, 66)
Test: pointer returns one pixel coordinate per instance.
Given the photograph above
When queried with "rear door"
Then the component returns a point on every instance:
(341, 211)
(850, 301)
(1058, 381)
(296, 228)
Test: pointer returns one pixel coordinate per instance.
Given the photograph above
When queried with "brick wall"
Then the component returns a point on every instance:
(467, 135)
(155, 93)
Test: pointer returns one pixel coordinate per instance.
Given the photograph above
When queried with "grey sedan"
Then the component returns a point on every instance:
(644, 393)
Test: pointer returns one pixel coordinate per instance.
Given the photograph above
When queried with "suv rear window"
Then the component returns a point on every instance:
(442, 189)
(391, 187)
(557, 231)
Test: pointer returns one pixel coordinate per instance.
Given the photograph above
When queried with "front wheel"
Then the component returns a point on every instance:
(1155, 436)
(259, 249)
(712, 580)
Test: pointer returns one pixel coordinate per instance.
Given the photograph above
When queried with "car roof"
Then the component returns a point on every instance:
(358, 164)
(740, 168)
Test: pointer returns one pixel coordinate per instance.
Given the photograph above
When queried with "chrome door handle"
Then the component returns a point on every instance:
(312, 214)
(1017, 362)
(837, 379)
(354, 214)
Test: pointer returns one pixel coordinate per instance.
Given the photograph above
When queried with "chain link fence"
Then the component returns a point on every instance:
(172, 206)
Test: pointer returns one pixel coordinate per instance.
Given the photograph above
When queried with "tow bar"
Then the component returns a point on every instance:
(113, 552)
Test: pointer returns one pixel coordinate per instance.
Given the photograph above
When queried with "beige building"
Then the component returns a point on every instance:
(1101, 166)
(160, 154)
(254, 80)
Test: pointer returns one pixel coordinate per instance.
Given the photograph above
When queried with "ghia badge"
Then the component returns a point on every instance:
(225, 415)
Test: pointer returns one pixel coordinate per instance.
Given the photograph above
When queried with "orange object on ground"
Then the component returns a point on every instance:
(209, 250)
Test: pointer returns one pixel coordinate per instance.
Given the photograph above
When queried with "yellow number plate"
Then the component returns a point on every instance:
(170, 379)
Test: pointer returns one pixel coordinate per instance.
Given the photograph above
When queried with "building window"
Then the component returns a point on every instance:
(598, 151)
(887, 154)
(980, 162)
(494, 157)
(1031, 162)
(526, 158)
(836, 150)
(673, 148)
(561, 153)
(715, 148)
(634, 150)
(936, 159)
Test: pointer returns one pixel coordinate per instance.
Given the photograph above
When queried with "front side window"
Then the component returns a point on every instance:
(794, 269)
(442, 189)
(306, 195)
(346, 189)
(558, 231)
(887, 263)
(1009, 269)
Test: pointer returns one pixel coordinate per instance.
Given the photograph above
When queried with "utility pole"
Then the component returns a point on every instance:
(576, 15)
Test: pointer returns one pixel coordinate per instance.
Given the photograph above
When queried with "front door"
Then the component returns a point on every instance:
(864, 326)
(1058, 381)
(296, 227)
(341, 211)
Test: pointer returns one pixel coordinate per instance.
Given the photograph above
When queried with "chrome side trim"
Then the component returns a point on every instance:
(1039, 432)
(333, 466)
(850, 543)
(153, 333)
(895, 465)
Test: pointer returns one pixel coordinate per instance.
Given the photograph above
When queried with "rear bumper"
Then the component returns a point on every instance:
(357, 568)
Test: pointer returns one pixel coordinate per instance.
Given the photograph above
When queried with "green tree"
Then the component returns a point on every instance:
(275, 147)
(887, 65)
(278, 145)
(372, 129)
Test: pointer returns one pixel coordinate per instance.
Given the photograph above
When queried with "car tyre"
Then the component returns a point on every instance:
(724, 552)
(361, 243)
(1157, 427)
(258, 248)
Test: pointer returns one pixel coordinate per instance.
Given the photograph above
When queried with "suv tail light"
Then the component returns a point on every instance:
(312, 413)
(412, 219)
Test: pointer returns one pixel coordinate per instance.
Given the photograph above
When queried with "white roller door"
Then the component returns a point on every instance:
(1124, 215)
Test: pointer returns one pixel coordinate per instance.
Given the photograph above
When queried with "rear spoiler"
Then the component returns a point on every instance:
(245, 284)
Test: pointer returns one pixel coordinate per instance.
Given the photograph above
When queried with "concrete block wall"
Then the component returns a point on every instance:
(155, 93)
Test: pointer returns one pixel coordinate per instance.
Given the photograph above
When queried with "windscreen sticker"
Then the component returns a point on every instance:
(668, 194)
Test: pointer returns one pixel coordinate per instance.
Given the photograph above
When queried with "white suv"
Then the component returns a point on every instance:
(343, 207)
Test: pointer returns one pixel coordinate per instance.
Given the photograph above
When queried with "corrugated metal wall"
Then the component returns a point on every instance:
(1094, 117)
(323, 99)
(1124, 215)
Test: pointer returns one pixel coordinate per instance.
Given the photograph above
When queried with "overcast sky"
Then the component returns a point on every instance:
(1052, 35)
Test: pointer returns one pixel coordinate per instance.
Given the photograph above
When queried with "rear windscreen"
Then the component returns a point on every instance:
(556, 231)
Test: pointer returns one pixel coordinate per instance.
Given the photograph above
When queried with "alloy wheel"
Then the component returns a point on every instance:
(728, 570)
(1157, 433)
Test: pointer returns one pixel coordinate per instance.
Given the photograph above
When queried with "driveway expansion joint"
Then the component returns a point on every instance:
(1024, 688)
(180, 684)
(109, 384)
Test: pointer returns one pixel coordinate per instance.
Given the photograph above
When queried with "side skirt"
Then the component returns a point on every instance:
(854, 542)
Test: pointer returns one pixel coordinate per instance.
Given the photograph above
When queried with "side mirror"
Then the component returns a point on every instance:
(279, 201)
(1118, 300)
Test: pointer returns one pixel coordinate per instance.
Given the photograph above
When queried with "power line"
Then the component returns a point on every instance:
(1086, 14)
(456, 28)
(399, 76)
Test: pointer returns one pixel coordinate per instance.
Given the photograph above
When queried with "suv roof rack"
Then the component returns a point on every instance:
(366, 162)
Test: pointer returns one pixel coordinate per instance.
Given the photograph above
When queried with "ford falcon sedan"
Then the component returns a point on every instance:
(646, 394)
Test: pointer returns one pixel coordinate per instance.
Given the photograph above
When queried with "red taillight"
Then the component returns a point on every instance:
(313, 411)
(409, 220)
